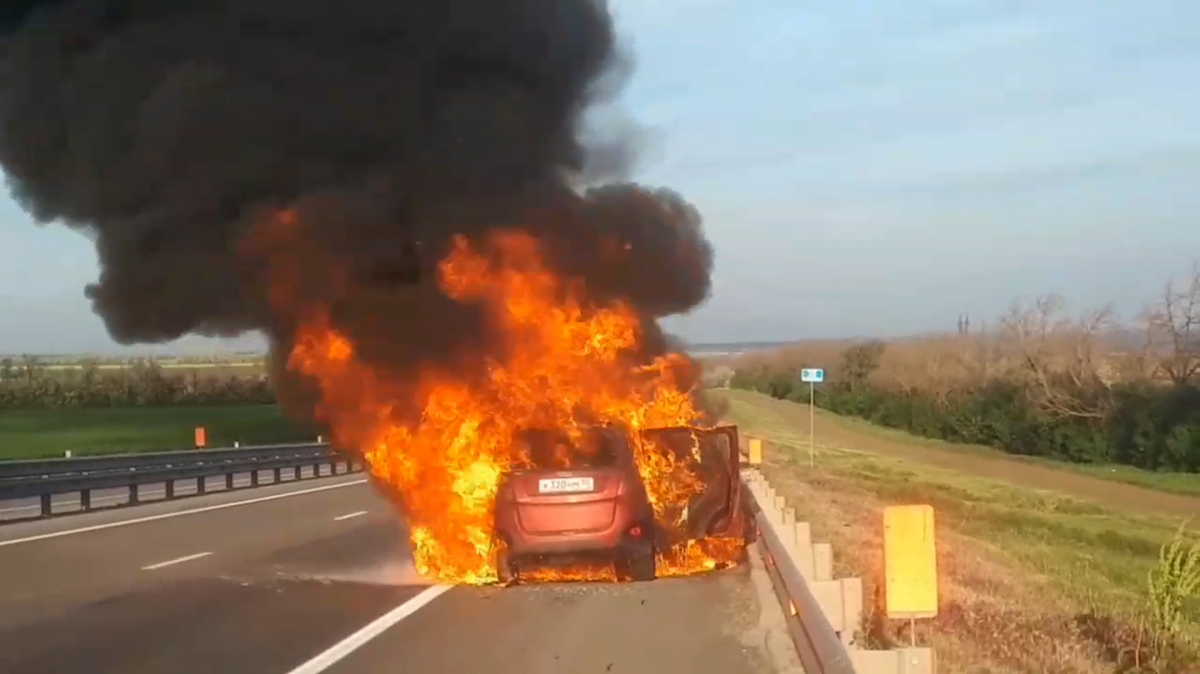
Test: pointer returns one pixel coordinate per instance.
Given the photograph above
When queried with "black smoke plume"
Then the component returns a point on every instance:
(169, 130)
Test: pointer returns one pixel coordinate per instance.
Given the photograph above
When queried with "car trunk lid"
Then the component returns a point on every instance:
(565, 501)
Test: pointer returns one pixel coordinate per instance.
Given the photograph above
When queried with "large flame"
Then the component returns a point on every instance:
(564, 365)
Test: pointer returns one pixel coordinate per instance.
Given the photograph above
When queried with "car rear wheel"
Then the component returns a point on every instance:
(637, 566)
(506, 572)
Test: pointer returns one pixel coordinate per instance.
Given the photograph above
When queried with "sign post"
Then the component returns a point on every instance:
(813, 376)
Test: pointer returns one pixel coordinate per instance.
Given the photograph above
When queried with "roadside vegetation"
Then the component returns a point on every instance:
(49, 406)
(1039, 382)
(1100, 579)
(31, 383)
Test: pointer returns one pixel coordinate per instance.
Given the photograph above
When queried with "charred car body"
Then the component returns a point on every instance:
(588, 501)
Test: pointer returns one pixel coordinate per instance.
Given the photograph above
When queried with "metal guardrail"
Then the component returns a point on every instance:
(823, 614)
(45, 478)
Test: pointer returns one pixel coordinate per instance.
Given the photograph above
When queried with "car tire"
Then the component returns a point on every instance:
(637, 566)
(749, 529)
(643, 567)
(506, 572)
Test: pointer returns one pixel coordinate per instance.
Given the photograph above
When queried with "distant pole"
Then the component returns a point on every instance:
(812, 423)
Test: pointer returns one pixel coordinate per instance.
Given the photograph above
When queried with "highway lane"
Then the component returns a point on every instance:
(268, 579)
(727, 622)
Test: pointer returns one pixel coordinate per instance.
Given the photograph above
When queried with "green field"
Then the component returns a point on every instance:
(214, 370)
(46, 433)
(1032, 579)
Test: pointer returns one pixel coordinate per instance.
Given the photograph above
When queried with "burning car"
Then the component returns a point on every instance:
(587, 500)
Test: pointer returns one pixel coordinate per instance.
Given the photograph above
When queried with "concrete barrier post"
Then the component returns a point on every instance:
(829, 596)
(788, 531)
(899, 661)
(802, 532)
(822, 561)
(852, 608)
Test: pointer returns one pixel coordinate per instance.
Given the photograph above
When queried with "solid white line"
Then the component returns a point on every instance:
(373, 629)
(181, 513)
(339, 518)
(169, 562)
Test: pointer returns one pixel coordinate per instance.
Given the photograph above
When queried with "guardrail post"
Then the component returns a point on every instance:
(298, 475)
(822, 561)
(802, 531)
(316, 470)
(47, 505)
(170, 489)
(900, 661)
(254, 477)
(333, 467)
(228, 481)
(133, 494)
(85, 499)
(201, 485)
(278, 476)
(842, 603)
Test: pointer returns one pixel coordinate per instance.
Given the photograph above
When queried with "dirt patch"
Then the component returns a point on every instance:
(831, 430)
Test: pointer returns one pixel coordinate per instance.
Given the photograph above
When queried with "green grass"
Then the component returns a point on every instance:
(46, 433)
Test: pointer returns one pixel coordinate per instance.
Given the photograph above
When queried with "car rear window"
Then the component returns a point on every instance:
(552, 449)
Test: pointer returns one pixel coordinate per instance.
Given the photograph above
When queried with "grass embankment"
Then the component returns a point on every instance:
(1032, 579)
(1174, 483)
(46, 433)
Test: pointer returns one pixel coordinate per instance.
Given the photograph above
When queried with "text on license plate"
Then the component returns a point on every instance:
(565, 485)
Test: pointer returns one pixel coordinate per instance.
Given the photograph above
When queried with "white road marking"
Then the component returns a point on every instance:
(180, 513)
(181, 560)
(373, 629)
(339, 518)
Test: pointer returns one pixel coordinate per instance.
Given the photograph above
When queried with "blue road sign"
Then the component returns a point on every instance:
(812, 375)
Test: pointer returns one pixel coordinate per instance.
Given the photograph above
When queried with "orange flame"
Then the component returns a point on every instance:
(563, 365)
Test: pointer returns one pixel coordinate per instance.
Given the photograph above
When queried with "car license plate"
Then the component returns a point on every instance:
(565, 485)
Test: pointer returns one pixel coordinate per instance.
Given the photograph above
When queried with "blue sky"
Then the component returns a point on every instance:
(865, 168)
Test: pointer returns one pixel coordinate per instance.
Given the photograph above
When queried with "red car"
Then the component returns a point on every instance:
(589, 502)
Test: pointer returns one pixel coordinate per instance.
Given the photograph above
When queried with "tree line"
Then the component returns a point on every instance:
(28, 385)
(1040, 382)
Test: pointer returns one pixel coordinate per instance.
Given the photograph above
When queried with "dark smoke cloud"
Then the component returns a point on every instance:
(168, 130)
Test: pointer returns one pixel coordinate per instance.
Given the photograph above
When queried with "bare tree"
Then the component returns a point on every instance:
(1061, 357)
(1173, 330)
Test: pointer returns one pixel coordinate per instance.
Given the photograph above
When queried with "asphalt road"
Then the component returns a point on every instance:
(315, 577)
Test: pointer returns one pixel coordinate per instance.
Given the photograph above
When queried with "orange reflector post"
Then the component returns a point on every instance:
(910, 562)
(201, 438)
(754, 449)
